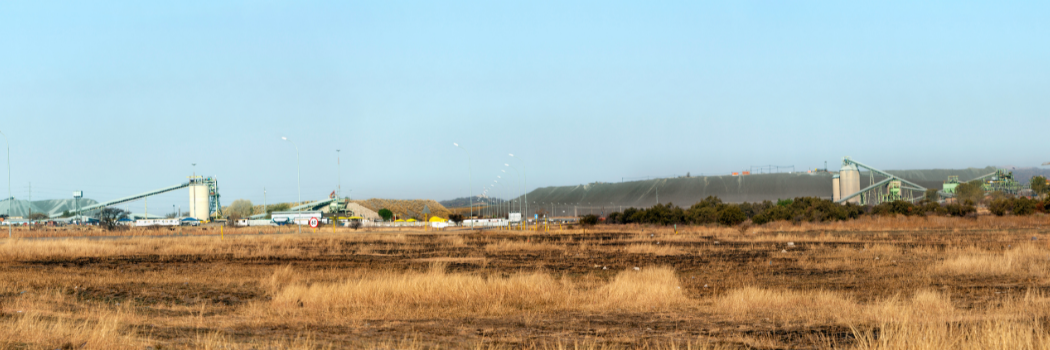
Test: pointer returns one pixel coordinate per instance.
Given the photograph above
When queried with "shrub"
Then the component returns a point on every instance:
(386, 214)
(1025, 206)
(1039, 186)
(277, 207)
(931, 195)
(895, 207)
(704, 215)
(456, 218)
(1000, 206)
(760, 219)
(240, 208)
(589, 220)
(731, 215)
(970, 191)
(960, 210)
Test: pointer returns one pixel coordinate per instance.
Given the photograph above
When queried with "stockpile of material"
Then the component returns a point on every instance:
(359, 210)
(50, 207)
(406, 208)
(684, 191)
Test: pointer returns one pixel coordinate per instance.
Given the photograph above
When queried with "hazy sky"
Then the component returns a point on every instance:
(118, 98)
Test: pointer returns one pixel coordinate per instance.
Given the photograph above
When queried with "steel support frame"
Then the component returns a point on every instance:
(875, 186)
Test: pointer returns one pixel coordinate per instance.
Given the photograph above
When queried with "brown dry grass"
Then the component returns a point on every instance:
(435, 294)
(971, 288)
(1026, 260)
(655, 249)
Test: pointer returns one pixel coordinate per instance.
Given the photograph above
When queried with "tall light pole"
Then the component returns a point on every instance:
(484, 194)
(501, 192)
(525, 181)
(193, 193)
(470, 185)
(495, 210)
(510, 204)
(298, 186)
(9, 197)
(521, 206)
(339, 172)
(491, 201)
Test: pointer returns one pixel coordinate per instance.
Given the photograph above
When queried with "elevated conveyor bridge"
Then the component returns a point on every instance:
(890, 189)
(214, 206)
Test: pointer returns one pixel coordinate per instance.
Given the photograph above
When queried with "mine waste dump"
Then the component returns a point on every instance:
(50, 207)
(685, 191)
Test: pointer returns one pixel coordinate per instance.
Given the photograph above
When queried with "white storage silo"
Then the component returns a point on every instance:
(849, 182)
(835, 188)
(199, 201)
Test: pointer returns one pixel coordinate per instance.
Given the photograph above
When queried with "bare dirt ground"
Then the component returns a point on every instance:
(200, 291)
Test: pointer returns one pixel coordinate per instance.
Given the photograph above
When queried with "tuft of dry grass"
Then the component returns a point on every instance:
(103, 330)
(509, 245)
(993, 334)
(787, 305)
(1023, 261)
(430, 294)
(435, 294)
(655, 249)
(647, 289)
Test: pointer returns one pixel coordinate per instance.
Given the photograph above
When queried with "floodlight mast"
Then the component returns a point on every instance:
(470, 185)
(339, 173)
(525, 187)
(521, 206)
(9, 197)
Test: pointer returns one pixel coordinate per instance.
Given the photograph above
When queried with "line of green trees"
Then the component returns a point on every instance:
(712, 210)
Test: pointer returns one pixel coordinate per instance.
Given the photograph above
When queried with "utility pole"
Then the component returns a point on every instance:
(264, 202)
(193, 193)
(339, 172)
(10, 197)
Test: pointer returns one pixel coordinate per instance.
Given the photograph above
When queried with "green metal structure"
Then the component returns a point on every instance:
(892, 188)
(893, 192)
(1003, 181)
(948, 189)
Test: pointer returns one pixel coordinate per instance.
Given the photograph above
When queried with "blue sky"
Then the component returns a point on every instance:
(116, 98)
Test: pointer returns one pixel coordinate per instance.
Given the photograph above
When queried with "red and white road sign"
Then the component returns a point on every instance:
(314, 222)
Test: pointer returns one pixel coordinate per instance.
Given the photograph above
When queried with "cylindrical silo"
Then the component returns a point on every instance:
(849, 182)
(199, 200)
(835, 188)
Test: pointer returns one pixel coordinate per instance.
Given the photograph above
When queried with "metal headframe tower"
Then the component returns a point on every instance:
(892, 188)
(214, 206)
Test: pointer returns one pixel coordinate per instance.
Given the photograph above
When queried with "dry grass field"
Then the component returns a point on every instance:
(872, 283)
